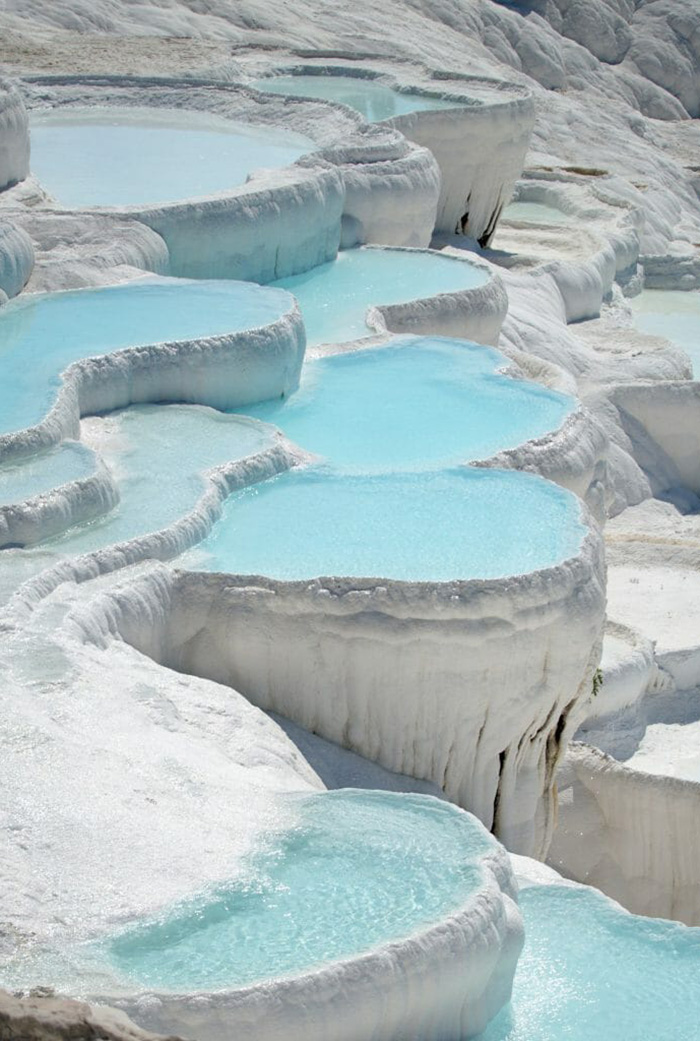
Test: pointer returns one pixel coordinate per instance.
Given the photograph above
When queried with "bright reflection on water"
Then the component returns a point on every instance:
(430, 527)
(358, 869)
(69, 461)
(137, 156)
(419, 403)
(374, 101)
(592, 973)
(41, 334)
(674, 314)
(334, 297)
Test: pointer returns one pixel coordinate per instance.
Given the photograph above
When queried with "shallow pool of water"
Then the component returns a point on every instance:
(673, 314)
(334, 297)
(158, 454)
(419, 403)
(357, 870)
(42, 333)
(69, 461)
(431, 527)
(590, 972)
(138, 156)
(375, 101)
(535, 212)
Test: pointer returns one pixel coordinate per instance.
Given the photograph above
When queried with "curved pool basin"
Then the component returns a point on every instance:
(674, 314)
(69, 461)
(158, 454)
(416, 403)
(375, 101)
(142, 156)
(357, 870)
(334, 297)
(42, 334)
(425, 527)
(591, 970)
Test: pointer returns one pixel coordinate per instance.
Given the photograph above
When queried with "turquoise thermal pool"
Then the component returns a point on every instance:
(41, 334)
(535, 212)
(334, 297)
(674, 314)
(158, 454)
(418, 403)
(69, 461)
(590, 971)
(426, 527)
(357, 870)
(375, 101)
(142, 156)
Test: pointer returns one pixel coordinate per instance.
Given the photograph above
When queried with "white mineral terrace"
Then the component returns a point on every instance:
(349, 520)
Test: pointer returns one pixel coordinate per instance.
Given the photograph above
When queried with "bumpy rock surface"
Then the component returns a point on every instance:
(49, 1018)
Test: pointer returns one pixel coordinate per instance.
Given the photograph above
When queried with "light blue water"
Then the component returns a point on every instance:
(537, 212)
(334, 297)
(673, 314)
(591, 973)
(357, 870)
(430, 527)
(138, 156)
(373, 100)
(69, 461)
(420, 403)
(162, 452)
(41, 334)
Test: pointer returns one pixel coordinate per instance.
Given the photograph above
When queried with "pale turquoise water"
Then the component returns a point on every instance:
(160, 454)
(420, 403)
(42, 333)
(358, 869)
(673, 314)
(26, 478)
(591, 973)
(133, 157)
(537, 212)
(334, 297)
(374, 101)
(430, 527)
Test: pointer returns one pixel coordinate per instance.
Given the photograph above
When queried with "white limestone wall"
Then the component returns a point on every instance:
(663, 422)
(447, 980)
(471, 685)
(392, 187)
(14, 135)
(472, 314)
(632, 834)
(16, 259)
(480, 150)
(60, 508)
(221, 371)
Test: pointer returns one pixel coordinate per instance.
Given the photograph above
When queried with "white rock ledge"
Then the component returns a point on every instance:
(448, 980)
(14, 136)
(473, 685)
(16, 260)
(471, 314)
(75, 502)
(224, 371)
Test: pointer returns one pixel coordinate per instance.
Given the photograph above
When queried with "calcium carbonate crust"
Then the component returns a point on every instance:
(76, 502)
(446, 980)
(630, 833)
(14, 136)
(16, 259)
(224, 371)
